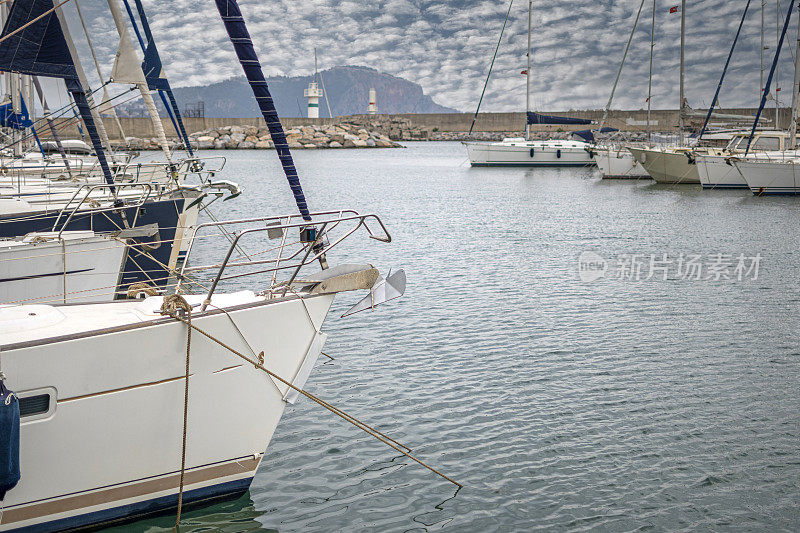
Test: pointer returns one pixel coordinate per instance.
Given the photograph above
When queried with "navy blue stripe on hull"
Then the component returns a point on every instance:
(778, 192)
(724, 186)
(37, 276)
(525, 164)
(139, 267)
(140, 510)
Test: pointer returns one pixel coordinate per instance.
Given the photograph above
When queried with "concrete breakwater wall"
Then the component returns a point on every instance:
(444, 126)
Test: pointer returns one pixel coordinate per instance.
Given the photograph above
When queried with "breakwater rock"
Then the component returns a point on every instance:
(254, 138)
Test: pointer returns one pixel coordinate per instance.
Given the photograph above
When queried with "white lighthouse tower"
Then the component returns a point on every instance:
(372, 107)
(313, 93)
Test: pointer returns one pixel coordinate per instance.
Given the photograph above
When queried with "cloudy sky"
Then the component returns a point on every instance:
(446, 46)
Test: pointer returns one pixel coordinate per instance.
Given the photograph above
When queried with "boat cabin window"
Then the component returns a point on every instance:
(734, 143)
(34, 405)
(765, 142)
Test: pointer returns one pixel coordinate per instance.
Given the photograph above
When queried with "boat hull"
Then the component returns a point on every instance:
(770, 177)
(619, 164)
(109, 446)
(528, 155)
(143, 265)
(81, 266)
(716, 173)
(667, 166)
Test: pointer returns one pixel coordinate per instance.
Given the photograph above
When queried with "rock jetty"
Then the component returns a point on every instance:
(258, 138)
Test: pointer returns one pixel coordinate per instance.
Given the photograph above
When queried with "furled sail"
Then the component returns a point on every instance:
(240, 38)
(40, 49)
(128, 70)
(538, 118)
(154, 72)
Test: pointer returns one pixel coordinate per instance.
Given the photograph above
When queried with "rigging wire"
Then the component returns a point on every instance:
(491, 65)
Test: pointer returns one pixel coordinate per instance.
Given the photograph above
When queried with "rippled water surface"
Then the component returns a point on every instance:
(560, 404)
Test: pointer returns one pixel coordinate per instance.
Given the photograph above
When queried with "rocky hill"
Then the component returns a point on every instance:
(348, 93)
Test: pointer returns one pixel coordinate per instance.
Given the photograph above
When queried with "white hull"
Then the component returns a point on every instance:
(667, 165)
(109, 445)
(770, 177)
(619, 163)
(81, 266)
(529, 154)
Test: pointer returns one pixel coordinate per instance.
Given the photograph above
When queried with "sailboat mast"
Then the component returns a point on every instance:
(528, 75)
(763, 4)
(650, 79)
(778, 66)
(796, 91)
(683, 46)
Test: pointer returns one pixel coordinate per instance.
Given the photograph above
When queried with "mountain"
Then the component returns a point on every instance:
(348, 93)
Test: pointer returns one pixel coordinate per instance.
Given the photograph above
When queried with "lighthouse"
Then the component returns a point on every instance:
(313, 93)
(372, 107)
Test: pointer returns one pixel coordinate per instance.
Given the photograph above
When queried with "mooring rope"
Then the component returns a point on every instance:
(170, 307)
(335, 410)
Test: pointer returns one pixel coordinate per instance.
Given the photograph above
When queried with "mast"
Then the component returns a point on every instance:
(683, 46)
(84, 83)
(778, 66)
(769, 77)
(105, 106)
(796, 91)
(528, 75)
(619, 71)
(650, 79)
(763, 3)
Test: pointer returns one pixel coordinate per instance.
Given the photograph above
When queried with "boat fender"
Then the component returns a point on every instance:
(690, 157)
(9, 440)
(531, 152)
(558, 154)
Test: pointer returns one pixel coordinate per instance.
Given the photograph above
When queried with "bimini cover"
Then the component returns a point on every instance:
(537, 118)
(40, 49)
(588, 135)
(9, 440)
(18, 121)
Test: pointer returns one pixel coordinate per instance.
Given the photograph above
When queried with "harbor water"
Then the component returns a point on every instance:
(581, 354)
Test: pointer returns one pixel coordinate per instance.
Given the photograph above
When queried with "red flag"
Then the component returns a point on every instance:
(524, 72)
(675, 9)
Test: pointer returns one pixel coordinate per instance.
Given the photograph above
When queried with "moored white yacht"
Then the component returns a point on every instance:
(616, 162)
(715, 170)
(517, 151)
(776, 176)
(525, 152)
(104, 382)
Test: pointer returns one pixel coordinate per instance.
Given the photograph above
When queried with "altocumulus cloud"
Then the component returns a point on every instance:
(446, 46)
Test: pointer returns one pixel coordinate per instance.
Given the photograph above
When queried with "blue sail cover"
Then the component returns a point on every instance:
(41, 50)
(537, 118)
(18, 121)
(240, 38)
(588, 135)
